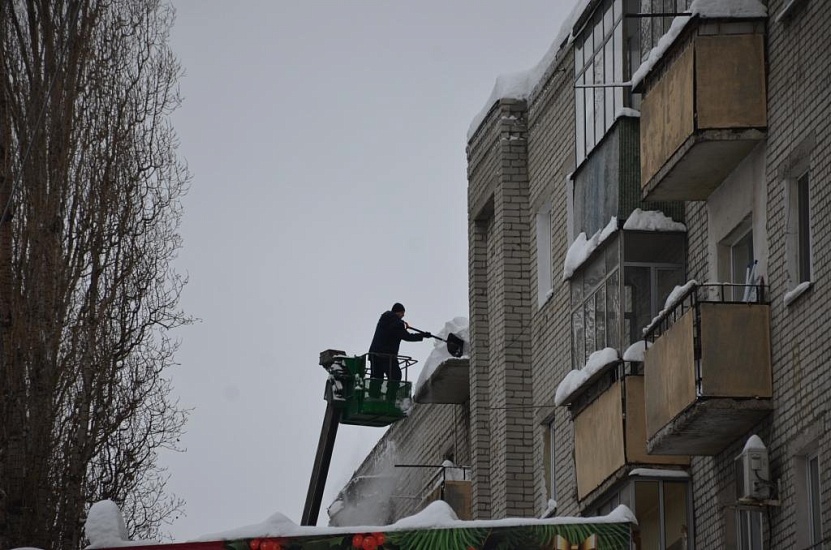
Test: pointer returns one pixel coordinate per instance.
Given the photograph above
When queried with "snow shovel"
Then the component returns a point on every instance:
(455, 345)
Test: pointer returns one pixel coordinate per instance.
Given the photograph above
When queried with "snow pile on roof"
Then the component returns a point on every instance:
(582, 248)
(674, 297)
(651, 220)
(520, 84)
(754, 442)
(438, 513)
(458, 326)
(636, 351)
(105, 527)
(702, 8)
(276, 525)
(576, 379)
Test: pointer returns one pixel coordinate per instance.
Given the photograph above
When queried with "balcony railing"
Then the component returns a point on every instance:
(453, 485)
(704, 108)
(708, 370)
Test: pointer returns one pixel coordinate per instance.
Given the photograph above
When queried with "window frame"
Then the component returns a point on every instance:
(804, 245)
(798, 234)
(545, 262)
(626, 494)
(814, 498)
(745, 540)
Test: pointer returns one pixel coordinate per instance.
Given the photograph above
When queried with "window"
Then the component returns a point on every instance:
(609, 48)
(606, 313)
(803, 229)
(749, 523)
(737, 263)
(814, 498)
(662, 508)
(653, 266)
(552, 462)
(598, 70)
(544, 263)
(798, 225)
(807, 470)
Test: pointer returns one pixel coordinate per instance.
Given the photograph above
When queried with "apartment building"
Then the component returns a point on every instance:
(648, 277)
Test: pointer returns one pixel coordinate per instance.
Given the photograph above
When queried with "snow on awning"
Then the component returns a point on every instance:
(430, 528)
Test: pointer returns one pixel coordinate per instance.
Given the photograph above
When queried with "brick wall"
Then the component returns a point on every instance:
(799, 106)
(502, 429)
(550, 161)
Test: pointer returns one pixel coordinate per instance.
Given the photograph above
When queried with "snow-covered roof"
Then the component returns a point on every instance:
(521, 84)
(458, 326)
(578, 379)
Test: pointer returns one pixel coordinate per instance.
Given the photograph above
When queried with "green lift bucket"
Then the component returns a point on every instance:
(373, 402)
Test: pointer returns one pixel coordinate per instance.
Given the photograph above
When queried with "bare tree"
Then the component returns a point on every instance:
(90, 189)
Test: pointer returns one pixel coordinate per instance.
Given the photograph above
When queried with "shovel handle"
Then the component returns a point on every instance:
(423, 333)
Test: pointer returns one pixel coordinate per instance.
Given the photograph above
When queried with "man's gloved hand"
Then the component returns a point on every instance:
(427, 334)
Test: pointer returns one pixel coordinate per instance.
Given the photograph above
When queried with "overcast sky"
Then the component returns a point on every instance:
(327, 145)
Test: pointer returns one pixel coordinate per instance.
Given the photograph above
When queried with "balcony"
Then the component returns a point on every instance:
(609, 432)
(707, 374)
(449, 383)
(451, 484)
(704, 108)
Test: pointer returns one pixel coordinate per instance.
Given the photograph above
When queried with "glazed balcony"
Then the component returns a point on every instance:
(707, 373)
(609, 429)
(704, 108)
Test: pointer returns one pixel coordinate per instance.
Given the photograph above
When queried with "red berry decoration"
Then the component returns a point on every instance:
(369, 543)
(380, 538)
(358, 541)
(254, 544)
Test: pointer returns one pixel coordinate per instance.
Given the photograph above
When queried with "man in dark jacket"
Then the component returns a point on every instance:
(383, 352)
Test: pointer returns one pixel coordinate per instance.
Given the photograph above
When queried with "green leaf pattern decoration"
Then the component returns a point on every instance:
(572, 536)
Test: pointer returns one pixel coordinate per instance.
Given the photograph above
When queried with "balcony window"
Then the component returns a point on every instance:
(662, 508)
(599, 70)
(608, 312)
(614, 41)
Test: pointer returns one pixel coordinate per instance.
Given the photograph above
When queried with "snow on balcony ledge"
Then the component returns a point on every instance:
(578, 380)
(651, 220)
(582, 248)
